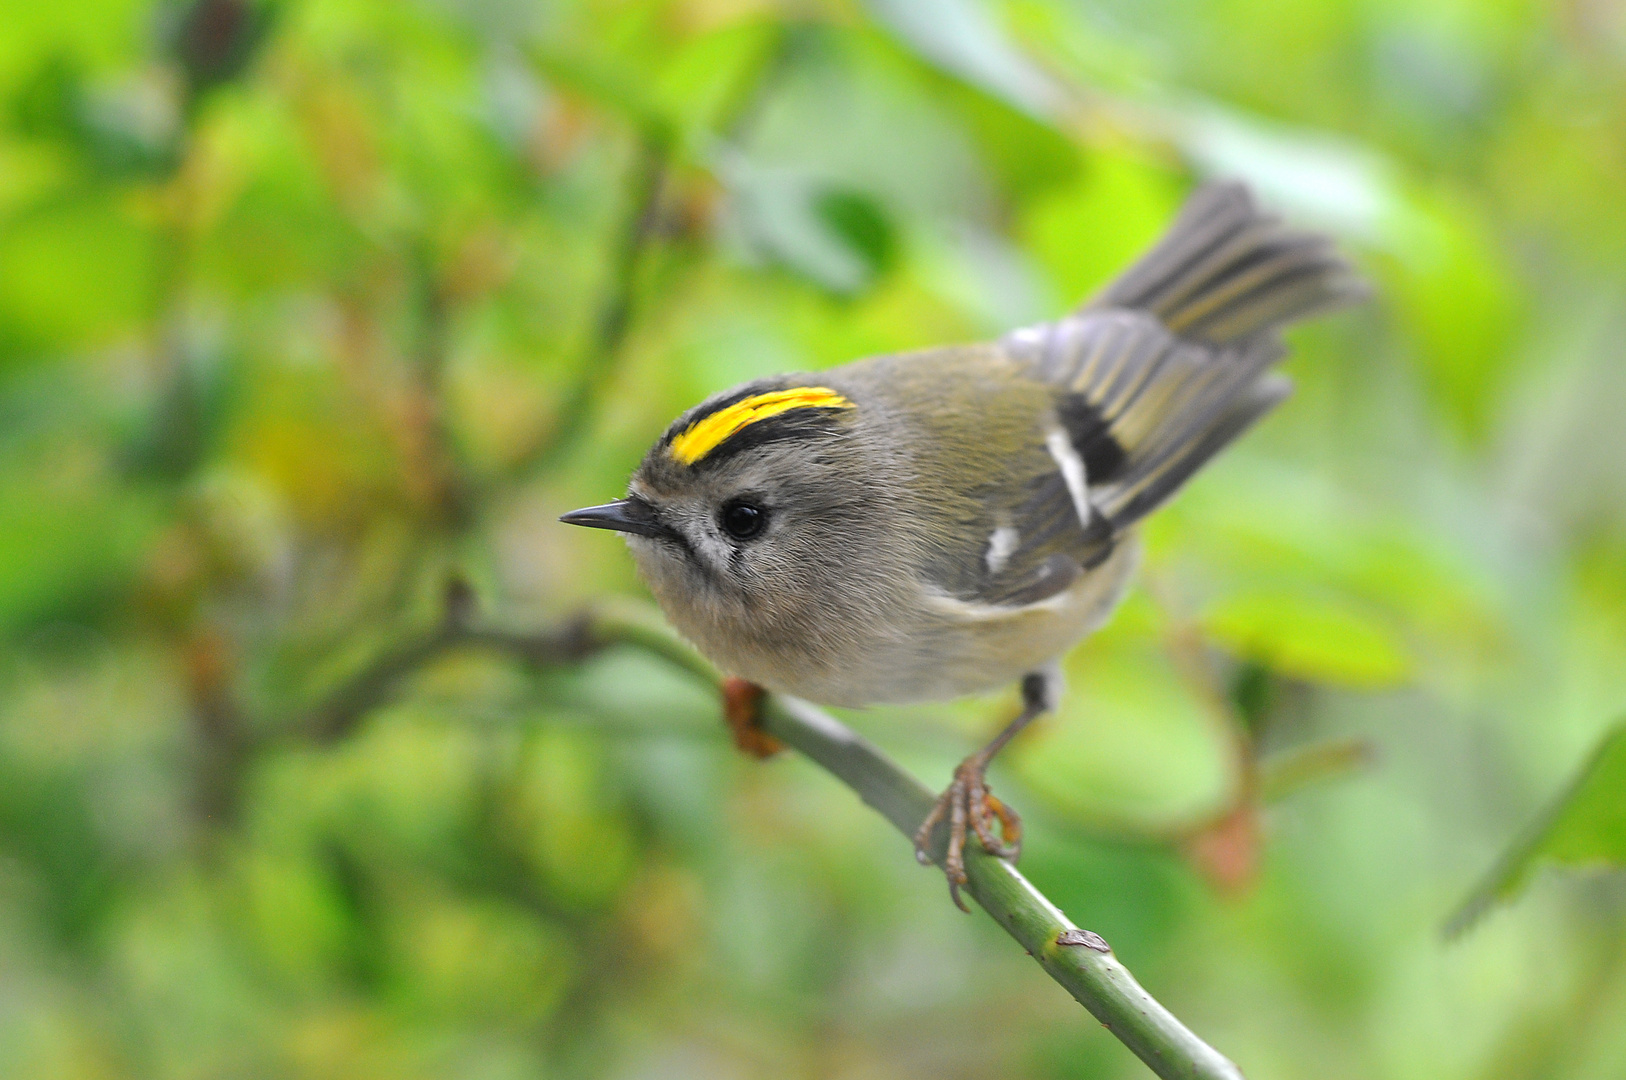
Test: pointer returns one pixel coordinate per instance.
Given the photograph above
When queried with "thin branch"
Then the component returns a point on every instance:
(1077, 959)
(342, 711)
(1291, 771)
(337, 717)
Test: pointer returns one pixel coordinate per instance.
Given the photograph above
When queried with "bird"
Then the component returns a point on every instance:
(925, 525)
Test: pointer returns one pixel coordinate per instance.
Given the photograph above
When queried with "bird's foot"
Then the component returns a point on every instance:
(968, 805)
(742, 711)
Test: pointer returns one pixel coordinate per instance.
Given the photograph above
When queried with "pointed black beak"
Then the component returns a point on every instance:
(624, 515)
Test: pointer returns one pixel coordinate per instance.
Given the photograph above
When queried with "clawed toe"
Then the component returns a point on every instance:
(742, 711)
(968, 805)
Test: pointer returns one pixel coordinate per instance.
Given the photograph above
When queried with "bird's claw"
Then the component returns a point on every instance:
(742, 711)
(968, 805)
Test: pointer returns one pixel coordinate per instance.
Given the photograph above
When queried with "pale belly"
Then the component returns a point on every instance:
(954, 649)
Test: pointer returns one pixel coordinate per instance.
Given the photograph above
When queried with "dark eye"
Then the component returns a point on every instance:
(743, 520)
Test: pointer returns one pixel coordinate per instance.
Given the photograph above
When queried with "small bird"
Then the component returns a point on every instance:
(927, 525)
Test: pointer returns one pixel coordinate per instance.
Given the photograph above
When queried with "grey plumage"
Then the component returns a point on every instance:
(967, 514)
(931, 524)
(1150, 405)
(1226, 271)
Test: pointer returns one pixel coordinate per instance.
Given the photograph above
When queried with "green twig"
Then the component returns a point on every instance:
(1291, 771)
(1077, 959)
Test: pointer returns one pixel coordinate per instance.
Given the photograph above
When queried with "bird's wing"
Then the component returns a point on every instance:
(1133, 413)
(1142, 387)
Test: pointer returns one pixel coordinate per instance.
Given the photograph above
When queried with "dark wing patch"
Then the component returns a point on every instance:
(1048, 548)
(1162, 370)
(1091, 435)
(1144, 408)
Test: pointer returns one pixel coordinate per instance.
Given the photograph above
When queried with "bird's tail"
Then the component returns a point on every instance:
(1227, 271)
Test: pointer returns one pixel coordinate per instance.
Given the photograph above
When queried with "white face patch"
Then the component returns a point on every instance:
(1002, 543)
(1072, 472)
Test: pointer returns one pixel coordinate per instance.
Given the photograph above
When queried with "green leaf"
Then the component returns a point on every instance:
(1087, 232)
(712, 77)
(1269, 526)
(835, 236)
(482, 961)
(1331, 181)
(1326, 638)
(1130, 750)
(75, 273)
(1584, 827)
(1027, 157)
(961, 38)
(582, 849)
(64, 553)
(859, 221)
(121, 131)
(1455, 287)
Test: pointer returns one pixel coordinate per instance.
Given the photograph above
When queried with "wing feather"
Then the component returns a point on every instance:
(1149, 381)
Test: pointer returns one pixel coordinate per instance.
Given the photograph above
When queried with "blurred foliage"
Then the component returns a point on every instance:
(1585, 827)
(310, 307)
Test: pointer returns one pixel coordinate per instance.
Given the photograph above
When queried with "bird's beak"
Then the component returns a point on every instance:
(624, 515)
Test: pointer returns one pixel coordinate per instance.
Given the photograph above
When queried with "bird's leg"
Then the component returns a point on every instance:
(968, 802)
(742, 711)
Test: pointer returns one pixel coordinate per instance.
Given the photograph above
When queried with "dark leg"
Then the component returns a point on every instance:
(742, 711)
(968, 802)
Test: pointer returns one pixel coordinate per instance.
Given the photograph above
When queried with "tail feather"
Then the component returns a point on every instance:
(1227, 271)
(1171, 362)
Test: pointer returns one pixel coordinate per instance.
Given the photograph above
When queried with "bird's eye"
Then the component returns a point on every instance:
(743, 520)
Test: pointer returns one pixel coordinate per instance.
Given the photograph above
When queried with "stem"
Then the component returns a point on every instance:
(1079, 960)
(1096, 979)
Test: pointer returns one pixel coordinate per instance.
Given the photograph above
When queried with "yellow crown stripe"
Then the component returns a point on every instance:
(706, 434)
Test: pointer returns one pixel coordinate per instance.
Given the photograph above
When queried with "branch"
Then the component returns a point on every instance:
(341, 712)
(1077, 959)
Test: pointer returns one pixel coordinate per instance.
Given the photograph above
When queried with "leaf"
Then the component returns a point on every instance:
(65, 553)
(1270, 525)
(860, 223)
(122, 131)
(1026, 156)
(1455, 287)
(74, 273)
(1324, 179)
(835, 236)
(1089, 231)
(1584, 827)
(484, 961)
(960, 37)
(712, 77)
(1325, 638)
(580, 847)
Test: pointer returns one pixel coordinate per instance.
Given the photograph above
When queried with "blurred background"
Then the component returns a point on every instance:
(314, 314)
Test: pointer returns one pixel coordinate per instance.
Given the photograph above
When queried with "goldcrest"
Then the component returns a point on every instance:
(926, 525)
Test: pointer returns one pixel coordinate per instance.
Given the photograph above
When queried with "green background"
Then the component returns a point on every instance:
(309, 308)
